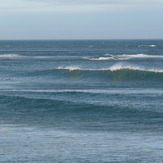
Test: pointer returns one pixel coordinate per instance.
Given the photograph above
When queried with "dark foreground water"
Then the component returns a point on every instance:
(81, 101)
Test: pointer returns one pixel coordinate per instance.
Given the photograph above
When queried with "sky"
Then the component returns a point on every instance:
(81, 19)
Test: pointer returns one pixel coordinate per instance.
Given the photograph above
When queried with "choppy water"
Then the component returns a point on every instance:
(81, 101)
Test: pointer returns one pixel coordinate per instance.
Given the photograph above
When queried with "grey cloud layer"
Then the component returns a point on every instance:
(74, 5)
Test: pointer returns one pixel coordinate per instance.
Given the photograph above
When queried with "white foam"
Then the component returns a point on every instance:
(152, 46)
(102, 58)
(107, 57)
(9, 55)
(154, 70)
(134, 55)
(70, 68)
(86, 58)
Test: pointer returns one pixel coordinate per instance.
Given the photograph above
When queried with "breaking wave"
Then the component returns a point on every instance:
(122, 57)
(116, 67)
(117, 72)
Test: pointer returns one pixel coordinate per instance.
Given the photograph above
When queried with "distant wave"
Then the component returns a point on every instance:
(39, 57)
(10, 55)
(93, 91)
(140, 56)
(123, 57)
(56, 57)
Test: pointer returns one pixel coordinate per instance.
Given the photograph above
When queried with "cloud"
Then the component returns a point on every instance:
(75, 5)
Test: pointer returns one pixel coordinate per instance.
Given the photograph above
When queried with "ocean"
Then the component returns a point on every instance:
(81, 101)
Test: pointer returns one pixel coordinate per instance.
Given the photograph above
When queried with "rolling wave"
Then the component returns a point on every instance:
(116, 72)
(114, 68)
(52, 111)
(31, 103)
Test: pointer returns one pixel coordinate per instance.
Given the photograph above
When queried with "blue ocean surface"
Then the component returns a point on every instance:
(81, 101)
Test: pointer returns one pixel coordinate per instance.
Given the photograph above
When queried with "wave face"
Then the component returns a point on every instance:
(116, 73)
(53, 109)
(85, 100)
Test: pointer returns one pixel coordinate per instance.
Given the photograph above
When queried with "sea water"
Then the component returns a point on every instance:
(81, 101)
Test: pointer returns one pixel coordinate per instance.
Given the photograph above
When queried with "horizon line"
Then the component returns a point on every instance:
(89, 39)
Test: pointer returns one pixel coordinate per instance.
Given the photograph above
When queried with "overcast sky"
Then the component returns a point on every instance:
(81, 19)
